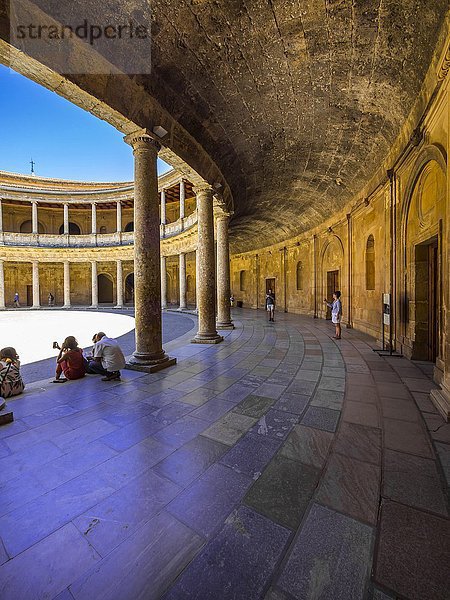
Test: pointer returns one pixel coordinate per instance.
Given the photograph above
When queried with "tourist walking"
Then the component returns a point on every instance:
(108, 358)
(51, 299)
(70, 361)
(270, 305)
(16, 300)
(11, 382)
(336, 312)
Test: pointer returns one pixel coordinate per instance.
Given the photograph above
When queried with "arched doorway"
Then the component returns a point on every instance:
(73, 229)
(27, 227)
(105, 289)
(129, 289)
(129, 227)
(332, 267)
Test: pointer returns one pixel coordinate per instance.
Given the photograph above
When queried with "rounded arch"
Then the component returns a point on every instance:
(27, 227)
(105, 288)
(129, 227)
(370, 263)
(74, 229)
(102, 229)
(129, 288)
(429, 154)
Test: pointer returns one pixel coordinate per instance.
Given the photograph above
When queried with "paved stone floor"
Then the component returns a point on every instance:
(280, 464)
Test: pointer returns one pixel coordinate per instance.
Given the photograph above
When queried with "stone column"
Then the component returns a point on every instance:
(94, 284)
(119, 217)
(163, 207)
(1, 217)
(149, 354)
(182, 270)
(2, 285)
(206, 286)
(66, 284)
(182, 199)
(36, 298)
(119, 303)
(34, 217)
(163, 283)
(94, 218)
(223, 272)
(66, 219)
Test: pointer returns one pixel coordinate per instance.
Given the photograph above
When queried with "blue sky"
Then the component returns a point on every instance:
(64, 141)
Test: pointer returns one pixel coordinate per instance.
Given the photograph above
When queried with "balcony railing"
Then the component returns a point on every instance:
(48, 240)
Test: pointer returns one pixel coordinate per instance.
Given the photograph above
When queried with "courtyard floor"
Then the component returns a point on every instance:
(279, 464)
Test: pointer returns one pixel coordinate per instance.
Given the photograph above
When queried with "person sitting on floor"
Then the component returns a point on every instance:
(11, 382)
(70, 361)
(108, 358)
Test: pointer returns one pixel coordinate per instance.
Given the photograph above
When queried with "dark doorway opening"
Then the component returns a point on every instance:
(105, 289)
(73, 229)
(270, 285)
(129, 226)
(332, 286)
(129, 289)
(426, 301)
(29, 295)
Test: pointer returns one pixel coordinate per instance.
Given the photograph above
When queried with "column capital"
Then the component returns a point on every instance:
(142, 139)
(204, 188)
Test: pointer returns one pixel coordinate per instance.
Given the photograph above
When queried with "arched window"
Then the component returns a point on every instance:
(102, 229)
(73, 229)
(299, 275)
(370, 263)
(129, 226)
(243, 281)
(26, 227)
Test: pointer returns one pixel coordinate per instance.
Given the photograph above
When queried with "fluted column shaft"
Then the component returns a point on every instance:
(66, 219)
(66, 284)
(147, 259)
(94, 284)
(34, 217)
(36, 298)
(206, 286)
(223, 273)
(2, 285)
(94, 218)
(119, 303)
(163, 207)
(182, 274)
(163, 282)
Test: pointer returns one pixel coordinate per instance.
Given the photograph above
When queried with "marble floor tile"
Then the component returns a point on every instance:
(321, 418)
(351, 487)
(187, 463)
(144, 565)
(307, 375)
(230, 428)
(412, 552)
(254, 406)
(181, 431)
(237, 563)
(361, 413)
(27, 459)
(302, 387)
(330, 558)
(307, 445)
(334, 384)
(292, 403)
(212, 410)
(360, 442)
(414, 481)
(40, 573)
(199, 396)
(283, 491)
(205, 504)
(276, 424)
(406, 437)
(327, 399)
(251, 454)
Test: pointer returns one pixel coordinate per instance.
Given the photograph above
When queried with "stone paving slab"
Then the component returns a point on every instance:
(199, 443)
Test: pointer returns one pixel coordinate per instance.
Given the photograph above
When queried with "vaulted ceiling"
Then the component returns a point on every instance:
(297, 102)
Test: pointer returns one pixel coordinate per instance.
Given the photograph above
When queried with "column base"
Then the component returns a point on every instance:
(207, 339)
(118, 306)
(67, 306)
(441, 400)
(228, 325)
(94, 306)
(181, 308)
(140, 361)
(35, 307)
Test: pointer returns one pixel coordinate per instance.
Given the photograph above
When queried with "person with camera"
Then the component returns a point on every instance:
(107, 358)
(70, 361)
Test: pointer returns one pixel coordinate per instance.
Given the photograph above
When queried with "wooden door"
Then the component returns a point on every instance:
(332, 286)
(29, 295)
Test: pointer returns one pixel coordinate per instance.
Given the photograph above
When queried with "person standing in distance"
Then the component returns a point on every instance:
(336, 312)
(270, 305)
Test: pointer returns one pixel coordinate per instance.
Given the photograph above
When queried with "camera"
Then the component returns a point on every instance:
(56, 345)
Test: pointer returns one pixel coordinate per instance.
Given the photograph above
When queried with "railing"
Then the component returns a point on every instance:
(48, 240)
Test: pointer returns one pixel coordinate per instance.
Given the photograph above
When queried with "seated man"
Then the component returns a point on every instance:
(108, 358)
